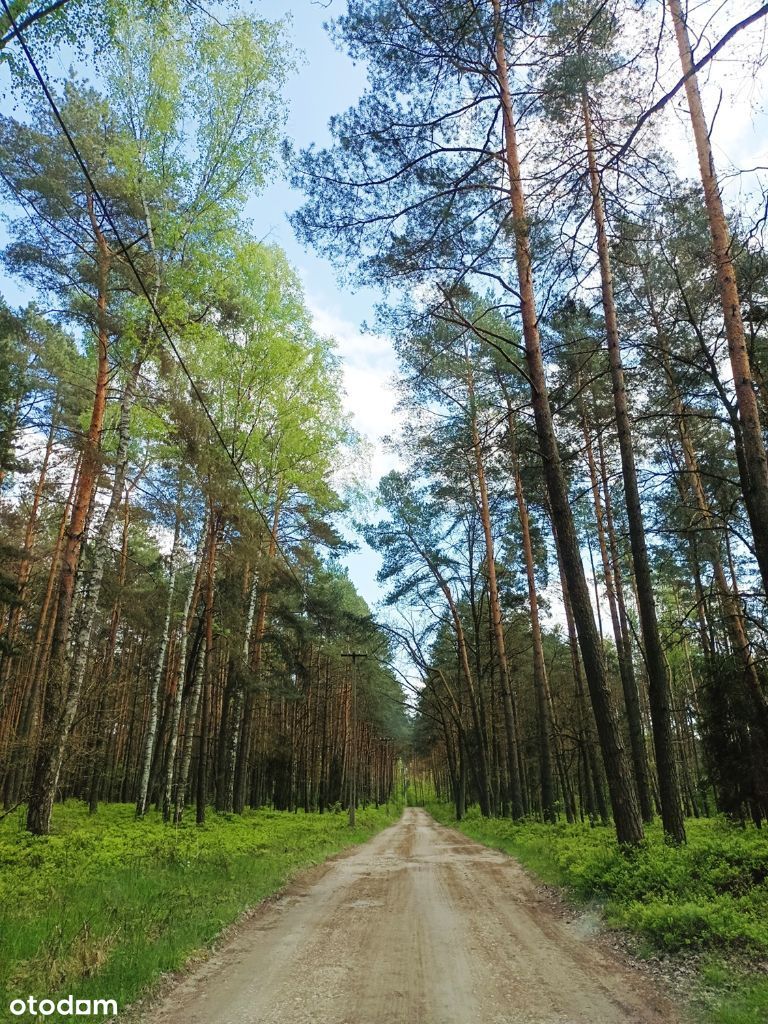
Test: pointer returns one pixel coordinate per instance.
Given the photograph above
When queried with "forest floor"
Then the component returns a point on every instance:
(421, 925)
(106, 904)
(694, 917)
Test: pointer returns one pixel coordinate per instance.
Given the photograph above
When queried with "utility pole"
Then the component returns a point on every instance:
(354, 655)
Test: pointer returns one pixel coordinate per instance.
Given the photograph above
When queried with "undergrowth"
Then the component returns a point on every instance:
(105, 904)
(709, 896)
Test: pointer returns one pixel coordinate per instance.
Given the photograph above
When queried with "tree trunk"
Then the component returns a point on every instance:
(623, 649)
(181, 667)
(659, 694)
(154, 689)
(238, 704)
(754, 474)
(586, 732)
(198, 682)
(540, 680)
(497, 621)
(25, 564)
(46, 621)
(484, 780)
(61, 700)
(106, 672)
(243, 755)
(202, 766)
(101, 545)
(626, 814)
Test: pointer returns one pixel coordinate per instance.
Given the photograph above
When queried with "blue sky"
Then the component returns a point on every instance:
(326, 82)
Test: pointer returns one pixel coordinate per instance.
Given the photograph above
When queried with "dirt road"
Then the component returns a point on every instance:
(419, 926)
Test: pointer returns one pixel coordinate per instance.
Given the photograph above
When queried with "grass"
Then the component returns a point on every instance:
(709, 897)
(105, 904)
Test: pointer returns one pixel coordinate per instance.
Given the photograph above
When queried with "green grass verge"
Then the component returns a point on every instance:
(709, 896)
(105, 904)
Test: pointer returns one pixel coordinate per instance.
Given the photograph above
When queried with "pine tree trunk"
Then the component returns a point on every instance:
(25, 565)
(157, 676)
(623, 650)
(659, 694)
(245, 731)
(31, 710)
(496, 615)
(61, 700)
(540, 680)
(238, 705)
(108, 663)
(198, 682)
(626, 814)
(586, 732)
(101, 545)
(202, 767)
(754, 474)
(483, 774)
(181, 669)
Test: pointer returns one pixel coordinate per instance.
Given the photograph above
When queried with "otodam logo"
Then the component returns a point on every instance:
(68, 1006)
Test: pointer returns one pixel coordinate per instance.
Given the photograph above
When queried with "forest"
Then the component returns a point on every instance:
(568, 657)
(175, 612)
(574, 541)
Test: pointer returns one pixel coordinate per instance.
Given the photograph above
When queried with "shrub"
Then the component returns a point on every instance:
(711, 893)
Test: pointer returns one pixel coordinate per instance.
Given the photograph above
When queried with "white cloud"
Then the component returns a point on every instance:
(368, 366)
(735, 96)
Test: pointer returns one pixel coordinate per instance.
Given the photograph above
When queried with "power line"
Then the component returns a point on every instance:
(129, 259)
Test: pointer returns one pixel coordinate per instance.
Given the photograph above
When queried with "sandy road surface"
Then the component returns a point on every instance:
(419, 926)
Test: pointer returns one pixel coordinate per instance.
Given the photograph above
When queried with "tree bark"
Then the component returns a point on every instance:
(61, 700)
(466, 672)
(25, 564)
(497, 621)
(246, 729)
(181, 668)
(627, 819)
(202, 757)
(587, 742)
(623, 650)
(540, 680)
(238, 704)
(157, 676)
(754, 472)
(659, 694)
(198, 682)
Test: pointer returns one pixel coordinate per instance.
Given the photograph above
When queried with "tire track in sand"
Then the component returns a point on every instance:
(421, 925)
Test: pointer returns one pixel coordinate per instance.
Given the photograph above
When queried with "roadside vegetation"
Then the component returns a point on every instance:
(573, 548)
(174, 611)
(106, 904)
(709, 897)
